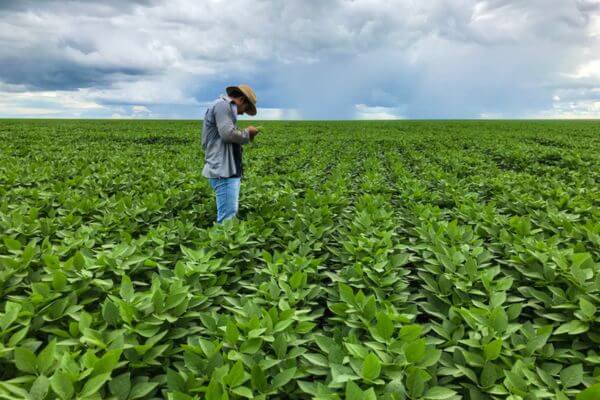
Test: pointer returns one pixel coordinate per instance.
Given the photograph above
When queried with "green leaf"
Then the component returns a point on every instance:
(283, 377)
(11, 313)
(539, 340)
(414, 351)
(326, 344)
(120, 386)
(45, 359)
(305, 327)
(415, 381)
(489, 375)
(582, 260)
(409, 333)
(220, 374)
(432, 356)
(94, 384)
(369, 308)
(18, 336)
(385, 326)
(25, 360)
(575, 327)
(231, 333)
(142, 389)
(39, 388)
(572, 376)
(258, 379)
(251, 346)
(515, 382)
(208, 348)
(587, 308)
(59, 280)
(107, 362)
(62, 385)
(316, 359)
(7, 390)
(346, 293)
(341, 373)
(110, 313)
(297, 279)
(353, 392)
(180, 396)
(492, 349)
(439, 393)
(309, 387)
(591, 393)
(235, 377)
(370, 394)
(283, 325)
(12, 244)
(214, 391)
(244, 392)
(371, 367)
(175, 382)
(126, 291)
(499, 320)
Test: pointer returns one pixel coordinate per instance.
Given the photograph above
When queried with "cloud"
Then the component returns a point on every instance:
(587, 71)
(587, 109)
(315, 59)
(140, 110)
(365, 112)
(275, 114)
(47, 104)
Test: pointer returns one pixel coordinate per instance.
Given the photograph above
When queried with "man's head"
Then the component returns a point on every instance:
(244, 98)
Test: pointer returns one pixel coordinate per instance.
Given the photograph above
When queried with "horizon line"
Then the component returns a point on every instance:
(591, 119)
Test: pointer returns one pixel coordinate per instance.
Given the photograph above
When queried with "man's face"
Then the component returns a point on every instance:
(242, 104)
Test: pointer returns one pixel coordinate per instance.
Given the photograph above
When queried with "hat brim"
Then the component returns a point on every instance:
(251, 107)
(231, 89)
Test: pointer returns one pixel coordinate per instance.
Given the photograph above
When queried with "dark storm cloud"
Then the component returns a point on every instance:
(45, 71)
(59, 45)
(116, 5)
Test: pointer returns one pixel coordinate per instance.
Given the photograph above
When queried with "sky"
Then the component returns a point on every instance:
(306, 59)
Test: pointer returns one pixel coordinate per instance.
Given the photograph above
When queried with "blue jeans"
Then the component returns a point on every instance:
(227, 191)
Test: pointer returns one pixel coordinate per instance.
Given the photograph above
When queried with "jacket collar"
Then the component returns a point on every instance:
(231, 103)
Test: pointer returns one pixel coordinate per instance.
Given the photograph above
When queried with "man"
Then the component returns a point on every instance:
(222, 144)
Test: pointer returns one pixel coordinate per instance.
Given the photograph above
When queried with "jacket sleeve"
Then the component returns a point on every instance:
(227, 130)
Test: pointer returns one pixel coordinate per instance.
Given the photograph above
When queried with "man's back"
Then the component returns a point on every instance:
(222, 156)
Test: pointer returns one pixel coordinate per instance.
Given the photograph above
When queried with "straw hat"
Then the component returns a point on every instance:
(248, 92)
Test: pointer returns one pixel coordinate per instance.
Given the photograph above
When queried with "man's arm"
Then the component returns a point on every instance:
(227, 130)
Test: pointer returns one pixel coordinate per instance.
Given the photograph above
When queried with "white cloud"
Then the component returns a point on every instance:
(594, 27)
(490, 115)
(17, 111)
(583, 109)
(119, 116)
(46, 103)
(140, 109)
(376, 112)
(274, 114)
(588, 70)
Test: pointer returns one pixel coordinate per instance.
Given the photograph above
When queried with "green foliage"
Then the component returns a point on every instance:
(372, 260)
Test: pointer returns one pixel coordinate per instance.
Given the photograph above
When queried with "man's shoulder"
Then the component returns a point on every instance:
(221, 102)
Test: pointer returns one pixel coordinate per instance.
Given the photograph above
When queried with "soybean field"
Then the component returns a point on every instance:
(371, 260)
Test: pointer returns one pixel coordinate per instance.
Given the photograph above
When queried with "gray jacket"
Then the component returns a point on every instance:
(220, 137)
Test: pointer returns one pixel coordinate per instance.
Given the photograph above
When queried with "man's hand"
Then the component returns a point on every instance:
(252, 131)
